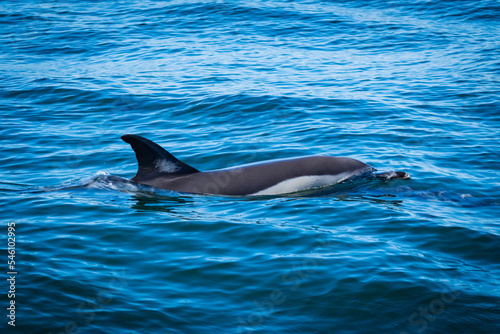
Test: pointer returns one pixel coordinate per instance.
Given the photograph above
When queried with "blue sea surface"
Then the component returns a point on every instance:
(400, 85)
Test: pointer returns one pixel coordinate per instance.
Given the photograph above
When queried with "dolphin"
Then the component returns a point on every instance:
(158, 168)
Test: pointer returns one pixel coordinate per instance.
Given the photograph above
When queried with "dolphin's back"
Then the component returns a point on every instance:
(290, 175)
(268, 178)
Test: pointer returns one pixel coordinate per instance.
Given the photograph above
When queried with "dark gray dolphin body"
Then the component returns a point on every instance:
(160, 169)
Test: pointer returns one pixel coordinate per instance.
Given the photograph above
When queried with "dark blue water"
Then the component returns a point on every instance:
(400, 85)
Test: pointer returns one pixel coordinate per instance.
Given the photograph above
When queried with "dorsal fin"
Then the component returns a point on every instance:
(154, 161)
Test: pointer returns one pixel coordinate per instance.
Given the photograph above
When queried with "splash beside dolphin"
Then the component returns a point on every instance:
(158, 168)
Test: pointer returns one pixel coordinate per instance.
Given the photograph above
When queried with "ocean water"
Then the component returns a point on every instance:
(401, 85)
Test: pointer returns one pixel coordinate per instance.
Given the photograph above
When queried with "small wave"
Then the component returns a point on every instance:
(11, 186)
(106, 181)
(100, 180)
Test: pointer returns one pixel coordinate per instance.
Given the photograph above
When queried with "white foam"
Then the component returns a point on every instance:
(303, 183)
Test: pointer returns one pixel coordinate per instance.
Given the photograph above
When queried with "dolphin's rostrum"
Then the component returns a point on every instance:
(160, 169)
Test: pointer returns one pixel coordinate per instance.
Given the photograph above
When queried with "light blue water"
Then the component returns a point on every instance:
(400, 85)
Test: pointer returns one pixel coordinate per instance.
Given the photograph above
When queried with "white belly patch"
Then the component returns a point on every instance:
(303, 183)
